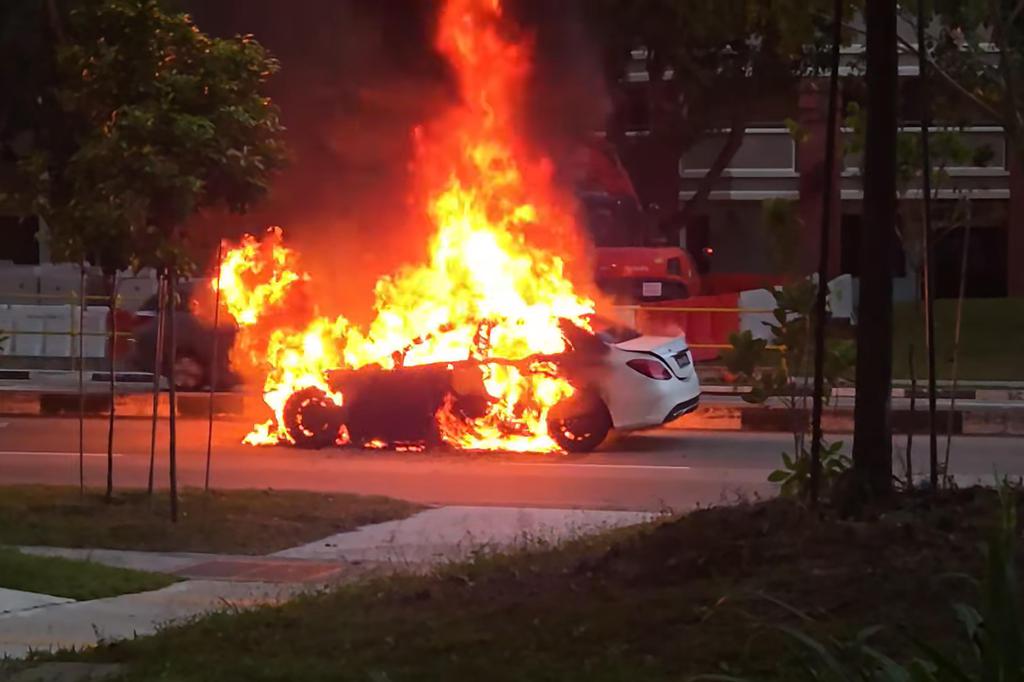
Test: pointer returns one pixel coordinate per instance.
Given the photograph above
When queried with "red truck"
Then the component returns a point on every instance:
(631, 270)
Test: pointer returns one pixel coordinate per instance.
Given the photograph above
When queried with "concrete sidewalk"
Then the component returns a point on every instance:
(87, 623)
(215, 582)
(457, 533)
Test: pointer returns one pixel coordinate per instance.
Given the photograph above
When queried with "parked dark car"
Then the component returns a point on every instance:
(194, 366)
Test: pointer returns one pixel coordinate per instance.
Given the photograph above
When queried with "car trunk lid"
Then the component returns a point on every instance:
(672, 350)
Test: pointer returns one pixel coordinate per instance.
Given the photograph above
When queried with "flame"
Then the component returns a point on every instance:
(493, 288)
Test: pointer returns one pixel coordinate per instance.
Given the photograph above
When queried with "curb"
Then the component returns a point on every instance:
(128, 405)
(738, 417)
(1007, 422)
(988, 394)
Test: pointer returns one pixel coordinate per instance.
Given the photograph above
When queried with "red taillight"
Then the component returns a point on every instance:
(652, 368)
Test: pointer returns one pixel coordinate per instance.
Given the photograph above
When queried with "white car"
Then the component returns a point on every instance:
(627, 381)
(623, 379)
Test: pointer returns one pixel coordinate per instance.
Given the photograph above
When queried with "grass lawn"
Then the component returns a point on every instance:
(662, 603)
(73, 579)
(234, 521)
(991, 339)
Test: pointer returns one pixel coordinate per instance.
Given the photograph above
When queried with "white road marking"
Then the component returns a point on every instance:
(37, 453)
(598, 466)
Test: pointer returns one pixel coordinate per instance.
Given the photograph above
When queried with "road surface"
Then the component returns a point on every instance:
(663, 469)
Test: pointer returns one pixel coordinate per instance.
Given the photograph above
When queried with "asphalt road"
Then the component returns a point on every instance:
(657, 470)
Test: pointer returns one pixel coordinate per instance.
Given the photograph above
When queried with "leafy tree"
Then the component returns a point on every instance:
(156, 121)
(706, 62)
(780, 371)
(137, 120)
(976, 59)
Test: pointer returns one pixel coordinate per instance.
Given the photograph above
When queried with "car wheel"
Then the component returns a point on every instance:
(312, 419)
(189, 372)
(579, 425)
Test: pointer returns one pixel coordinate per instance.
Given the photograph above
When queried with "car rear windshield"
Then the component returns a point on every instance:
(611, 331)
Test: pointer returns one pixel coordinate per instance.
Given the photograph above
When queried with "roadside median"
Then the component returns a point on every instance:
(971, 417)
(972, 408)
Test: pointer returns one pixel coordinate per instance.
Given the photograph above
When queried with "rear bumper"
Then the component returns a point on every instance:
(685, 407)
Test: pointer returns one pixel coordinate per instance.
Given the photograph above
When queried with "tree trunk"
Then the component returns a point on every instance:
(158, 366)
(172, 394)
(926, 244)
(695, 204)
(113, 389)
(872, 440)
(821, 301)
(909, 461)
(214, 365)
(82, 300)
(956, 342)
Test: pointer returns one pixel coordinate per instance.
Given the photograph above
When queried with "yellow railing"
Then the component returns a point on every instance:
(692, 309)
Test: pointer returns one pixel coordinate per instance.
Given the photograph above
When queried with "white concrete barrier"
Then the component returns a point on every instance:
(50, 330)
(842, 301)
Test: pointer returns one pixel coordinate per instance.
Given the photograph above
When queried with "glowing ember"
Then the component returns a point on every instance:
(493, 288)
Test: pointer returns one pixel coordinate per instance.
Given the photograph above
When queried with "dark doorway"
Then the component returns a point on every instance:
(986, 262)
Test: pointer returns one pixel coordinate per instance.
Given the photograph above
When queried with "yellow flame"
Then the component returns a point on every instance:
(498, 224)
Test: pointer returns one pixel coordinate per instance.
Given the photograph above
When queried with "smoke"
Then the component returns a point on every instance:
(356, 78)
(568, 100)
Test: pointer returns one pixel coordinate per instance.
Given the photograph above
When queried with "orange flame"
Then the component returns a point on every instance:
(498, 224)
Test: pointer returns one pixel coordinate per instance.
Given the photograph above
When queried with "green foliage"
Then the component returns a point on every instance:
(794, 475)
(147, 120)
(947, 147)
(779, 370)
(232, 521)
(72, 578)
(977, 52)
(706, 61)
(779, 216)
(994, 634)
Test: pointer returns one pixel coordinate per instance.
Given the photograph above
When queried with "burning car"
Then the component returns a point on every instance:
(487, 342)
(621, 379)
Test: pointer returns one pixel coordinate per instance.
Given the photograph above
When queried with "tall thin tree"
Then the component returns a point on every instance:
(214, 365)
(961, 293)
(872, 440)
(81, 378)
(172, 393)
(112, 407)
(821, 303)
(929, 275)
(158, 367)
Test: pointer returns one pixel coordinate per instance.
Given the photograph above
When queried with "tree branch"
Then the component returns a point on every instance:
(1015, 14)
(725, 156)
(53, 17)
(950, 80)
(945, 75)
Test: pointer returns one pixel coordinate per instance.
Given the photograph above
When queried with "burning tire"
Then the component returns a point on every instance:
(579, 424)
(312, 419)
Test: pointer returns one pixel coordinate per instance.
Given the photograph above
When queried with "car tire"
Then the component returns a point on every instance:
(189, 373)
(312, 419)
(579, 424)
